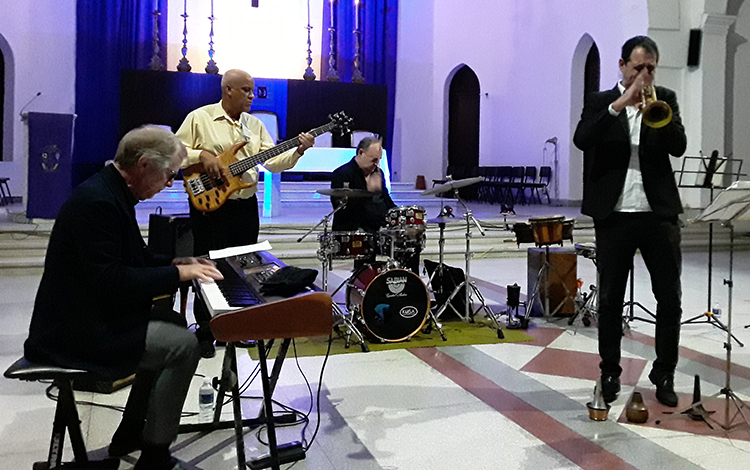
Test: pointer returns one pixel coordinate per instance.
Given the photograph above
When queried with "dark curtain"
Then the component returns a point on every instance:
(110, 36)
(379, 25)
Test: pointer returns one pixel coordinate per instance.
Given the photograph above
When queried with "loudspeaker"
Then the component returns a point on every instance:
(562, 274)
(170, 235)
(694, 48)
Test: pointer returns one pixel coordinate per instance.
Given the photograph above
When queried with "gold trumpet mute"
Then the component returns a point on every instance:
(656, 113)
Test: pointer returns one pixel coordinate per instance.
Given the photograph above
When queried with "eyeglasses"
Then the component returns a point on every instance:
(172, 175)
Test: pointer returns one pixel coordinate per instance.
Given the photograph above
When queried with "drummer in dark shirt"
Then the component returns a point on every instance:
(367, 214)
(362, 172)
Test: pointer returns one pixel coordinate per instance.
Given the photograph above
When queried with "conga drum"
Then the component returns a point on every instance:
(547, 230)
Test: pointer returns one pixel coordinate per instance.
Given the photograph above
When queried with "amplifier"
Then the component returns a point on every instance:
(170, 235)
(562, 274)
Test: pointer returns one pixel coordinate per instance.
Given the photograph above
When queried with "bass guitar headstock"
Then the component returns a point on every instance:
(340, 122)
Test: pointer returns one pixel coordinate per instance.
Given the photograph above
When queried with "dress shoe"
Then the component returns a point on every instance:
(120, 447)
(664, 388)
(207, 349)
(610, 388)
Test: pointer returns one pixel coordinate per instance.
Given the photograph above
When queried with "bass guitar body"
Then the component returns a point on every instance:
(207, 194)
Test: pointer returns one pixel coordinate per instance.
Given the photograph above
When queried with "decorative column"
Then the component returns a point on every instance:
(333, 75)
(184, 65)
(713, 89)
(211, 65)
(309, 73)
(156, 62)
(357, 76)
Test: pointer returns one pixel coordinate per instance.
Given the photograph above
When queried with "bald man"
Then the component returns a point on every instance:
(207, 132)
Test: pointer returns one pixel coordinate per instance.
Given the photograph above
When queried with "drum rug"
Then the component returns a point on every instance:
(457, 333)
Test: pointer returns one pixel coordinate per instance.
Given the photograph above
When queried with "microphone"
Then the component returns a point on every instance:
(551, 140)
(446, 212)
(20, 113)
(711, 169)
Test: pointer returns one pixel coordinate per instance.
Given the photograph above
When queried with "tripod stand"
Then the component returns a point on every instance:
(467, 283)
(731, 204)
(325, 255)
(628, 307)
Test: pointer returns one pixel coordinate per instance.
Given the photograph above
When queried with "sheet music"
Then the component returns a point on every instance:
(731, 204)
(239, 250)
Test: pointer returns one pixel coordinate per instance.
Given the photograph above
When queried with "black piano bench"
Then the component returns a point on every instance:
(66, 415)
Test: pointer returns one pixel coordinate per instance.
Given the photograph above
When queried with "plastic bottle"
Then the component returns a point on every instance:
(716, 310)
(206, 401)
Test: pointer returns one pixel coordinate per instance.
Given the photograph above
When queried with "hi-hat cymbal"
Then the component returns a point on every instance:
(345, 192)
(452, 185)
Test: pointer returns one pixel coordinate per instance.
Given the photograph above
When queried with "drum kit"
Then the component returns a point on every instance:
(383, 300)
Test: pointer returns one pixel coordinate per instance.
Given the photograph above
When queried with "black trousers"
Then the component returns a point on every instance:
(236, 223)
(658, 238)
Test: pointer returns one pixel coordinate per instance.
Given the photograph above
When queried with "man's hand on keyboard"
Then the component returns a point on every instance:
(197, 268)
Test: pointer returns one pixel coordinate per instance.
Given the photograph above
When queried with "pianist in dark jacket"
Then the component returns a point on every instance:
(93, 309)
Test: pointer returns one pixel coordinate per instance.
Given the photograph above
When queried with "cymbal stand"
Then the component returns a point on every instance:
(325, 255)
(468, 283)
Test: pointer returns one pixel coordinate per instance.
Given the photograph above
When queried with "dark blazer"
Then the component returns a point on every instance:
(93, 304)
(366, 213)
(605, 140)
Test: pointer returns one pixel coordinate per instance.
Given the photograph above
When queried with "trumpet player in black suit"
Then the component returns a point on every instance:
(631, 193)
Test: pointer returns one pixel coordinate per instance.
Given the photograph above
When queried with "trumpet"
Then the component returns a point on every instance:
(656, 113)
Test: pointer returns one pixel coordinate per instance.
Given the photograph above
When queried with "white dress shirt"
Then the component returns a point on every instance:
(633, 197)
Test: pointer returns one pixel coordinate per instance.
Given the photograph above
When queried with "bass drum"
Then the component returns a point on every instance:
(393, 304)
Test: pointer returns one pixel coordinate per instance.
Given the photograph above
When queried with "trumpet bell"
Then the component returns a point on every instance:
(656, 113)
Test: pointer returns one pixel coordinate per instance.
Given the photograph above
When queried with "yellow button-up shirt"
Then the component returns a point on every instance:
(210, 128)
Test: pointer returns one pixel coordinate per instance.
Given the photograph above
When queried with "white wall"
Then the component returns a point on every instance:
(41, 36)
(522, 52)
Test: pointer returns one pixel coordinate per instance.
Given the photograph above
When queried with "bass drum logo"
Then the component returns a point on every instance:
(408, 312)
(396, 284)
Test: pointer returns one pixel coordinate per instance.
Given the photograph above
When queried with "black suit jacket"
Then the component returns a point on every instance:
(366, 213)
(605, 140)
(93, 304)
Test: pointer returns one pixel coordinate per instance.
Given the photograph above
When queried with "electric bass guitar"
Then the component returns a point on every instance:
(208, 194)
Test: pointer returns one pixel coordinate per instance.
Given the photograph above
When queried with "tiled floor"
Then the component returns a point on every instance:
(500, 406)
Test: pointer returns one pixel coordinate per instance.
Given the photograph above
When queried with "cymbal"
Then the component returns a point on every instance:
(452, 185)
(345, 192)
(443, 220)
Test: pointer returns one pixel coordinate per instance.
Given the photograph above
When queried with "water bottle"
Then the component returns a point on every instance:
(716, 311)
(206, 401)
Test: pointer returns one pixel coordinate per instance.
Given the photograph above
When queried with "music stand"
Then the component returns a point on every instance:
(730, 205)
(710, 174)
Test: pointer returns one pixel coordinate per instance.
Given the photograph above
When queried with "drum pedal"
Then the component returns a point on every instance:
(289, 452)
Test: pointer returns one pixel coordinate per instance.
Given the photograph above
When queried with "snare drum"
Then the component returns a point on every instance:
(348, 245)
(403, 241)
(409, 218)
(393, 304)
(547, 230)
